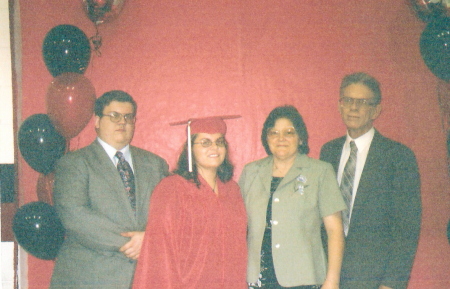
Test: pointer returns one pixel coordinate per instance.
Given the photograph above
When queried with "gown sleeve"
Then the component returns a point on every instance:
(155, 264)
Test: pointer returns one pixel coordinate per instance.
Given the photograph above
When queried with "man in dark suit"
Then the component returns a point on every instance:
(384, 192)
(103, 199)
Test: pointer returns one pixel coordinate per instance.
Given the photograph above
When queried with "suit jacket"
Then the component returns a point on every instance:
(307, 193)
(384, 229)
(91, 201)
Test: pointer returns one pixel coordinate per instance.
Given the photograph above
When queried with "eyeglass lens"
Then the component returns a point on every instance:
(117, 117)
(207, 142)
(287, 133)
(348, 101)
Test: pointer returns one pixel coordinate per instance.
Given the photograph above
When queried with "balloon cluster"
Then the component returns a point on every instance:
(70, 99)
(43, 138)
(435, 39)
(435, 51)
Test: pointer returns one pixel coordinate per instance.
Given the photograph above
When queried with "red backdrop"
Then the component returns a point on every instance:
(183, 59)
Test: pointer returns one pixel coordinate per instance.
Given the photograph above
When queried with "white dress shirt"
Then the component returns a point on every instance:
(111, 151)
(363, 144)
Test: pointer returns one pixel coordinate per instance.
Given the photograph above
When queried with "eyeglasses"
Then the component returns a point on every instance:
(117, 117)
(359, 102)
(287, 133)
(206, 143)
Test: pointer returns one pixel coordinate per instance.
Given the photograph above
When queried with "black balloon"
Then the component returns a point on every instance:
(435, 47)
(38, 230)
(40, 144)
(66, 49)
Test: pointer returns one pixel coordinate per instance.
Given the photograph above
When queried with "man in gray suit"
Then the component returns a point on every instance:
(104, 216)
(384, 192)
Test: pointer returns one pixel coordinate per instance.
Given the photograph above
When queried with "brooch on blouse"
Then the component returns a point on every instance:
(301, 184)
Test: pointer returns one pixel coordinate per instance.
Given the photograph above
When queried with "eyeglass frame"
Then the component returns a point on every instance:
(129, 118)
(277, 134)
(206, 142)
(359, 102)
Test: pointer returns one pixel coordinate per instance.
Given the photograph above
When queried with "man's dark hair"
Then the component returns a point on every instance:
(110, 96)
(291, 113)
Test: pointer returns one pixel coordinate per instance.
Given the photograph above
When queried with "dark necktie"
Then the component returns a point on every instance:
(126, 173)
(347, 180)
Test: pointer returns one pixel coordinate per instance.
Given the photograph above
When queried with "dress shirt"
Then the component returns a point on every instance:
(111, 151)
(363, 144)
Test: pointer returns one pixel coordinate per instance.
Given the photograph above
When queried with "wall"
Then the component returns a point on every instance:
(183, 59)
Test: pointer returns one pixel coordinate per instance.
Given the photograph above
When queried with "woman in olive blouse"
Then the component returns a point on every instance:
(288, 196)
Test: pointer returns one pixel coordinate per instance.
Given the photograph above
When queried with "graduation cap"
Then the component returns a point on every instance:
(210, 125)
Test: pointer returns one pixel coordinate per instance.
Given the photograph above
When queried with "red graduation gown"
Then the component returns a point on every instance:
(194, 238)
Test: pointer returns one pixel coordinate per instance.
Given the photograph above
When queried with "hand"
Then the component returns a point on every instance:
(132, 248)
(330, 285)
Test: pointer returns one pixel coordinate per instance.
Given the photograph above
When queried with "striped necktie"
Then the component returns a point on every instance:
(347, 180)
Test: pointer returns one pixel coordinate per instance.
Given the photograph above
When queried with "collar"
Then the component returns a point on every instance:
(301, 160)
(361, 142)
(111, 151)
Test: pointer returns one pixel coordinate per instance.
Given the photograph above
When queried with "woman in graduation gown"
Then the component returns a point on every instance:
(196, 231)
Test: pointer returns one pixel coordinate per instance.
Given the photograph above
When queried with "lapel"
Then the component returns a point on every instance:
(372, 166)
(301, 162)
(265, 173)
(373, 160)
(112, 178)
(336, 152)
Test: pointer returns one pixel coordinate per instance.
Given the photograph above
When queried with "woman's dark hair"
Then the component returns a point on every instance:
(291, 113)
(224, 171)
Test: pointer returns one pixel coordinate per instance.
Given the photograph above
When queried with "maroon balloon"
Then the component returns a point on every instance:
(44, 188)
(102, 11)
(70, 103)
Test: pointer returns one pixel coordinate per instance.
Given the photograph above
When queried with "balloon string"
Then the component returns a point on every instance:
(97, 42)
(67, 146)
